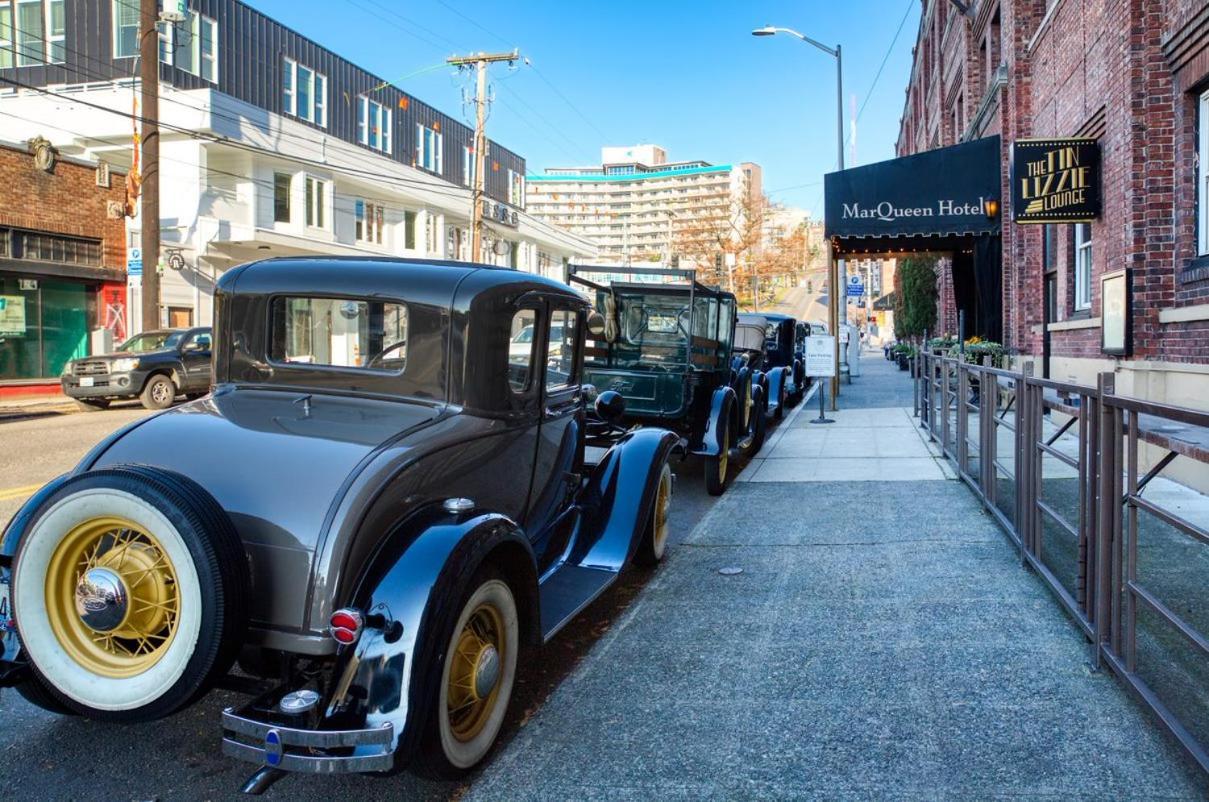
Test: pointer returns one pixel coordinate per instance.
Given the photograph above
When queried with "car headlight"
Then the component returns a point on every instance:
(123, 365)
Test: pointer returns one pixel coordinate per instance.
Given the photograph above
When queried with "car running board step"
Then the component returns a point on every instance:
(567, 591)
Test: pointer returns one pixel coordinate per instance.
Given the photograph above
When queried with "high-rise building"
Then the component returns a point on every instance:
(637, 207)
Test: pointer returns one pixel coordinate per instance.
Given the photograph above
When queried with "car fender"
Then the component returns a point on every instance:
(776, 380)
(739, 422)
(409, 596)
(613, 524)
(721, 404)
(20, 522)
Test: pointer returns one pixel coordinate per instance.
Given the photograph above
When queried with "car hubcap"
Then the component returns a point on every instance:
(474, 675)
(160, 393)
(662, 504)
(111, 597)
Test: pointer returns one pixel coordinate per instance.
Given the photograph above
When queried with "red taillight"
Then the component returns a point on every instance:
(345, 626)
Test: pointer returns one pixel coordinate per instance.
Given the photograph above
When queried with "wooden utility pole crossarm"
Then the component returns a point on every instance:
(479, 62)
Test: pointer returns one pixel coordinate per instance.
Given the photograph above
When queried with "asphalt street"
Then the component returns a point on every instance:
(44, 756)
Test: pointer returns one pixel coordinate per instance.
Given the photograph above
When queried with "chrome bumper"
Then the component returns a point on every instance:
(291, 749)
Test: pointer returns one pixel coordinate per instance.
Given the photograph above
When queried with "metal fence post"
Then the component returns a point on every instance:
(1105, 470)
(963, 417)
(1027, 400)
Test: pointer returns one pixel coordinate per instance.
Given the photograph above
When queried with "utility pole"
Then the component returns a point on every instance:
(149, 193)
(479, 61)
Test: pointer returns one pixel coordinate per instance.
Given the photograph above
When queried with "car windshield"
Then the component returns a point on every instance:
(661, 330)
(151, 341)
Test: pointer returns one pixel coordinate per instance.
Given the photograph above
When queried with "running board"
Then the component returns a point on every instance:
(567, 591)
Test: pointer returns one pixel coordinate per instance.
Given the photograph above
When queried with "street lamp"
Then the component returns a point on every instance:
(838, 279)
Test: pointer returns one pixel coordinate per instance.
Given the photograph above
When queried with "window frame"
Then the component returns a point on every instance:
(540, 316)
(369, 111)
(468, 165)
(280, 361)
(426, 137)
(21, 57)
(316, 106)
(289, 196)
(1202, 174)
(317, 203)
(1083, 266)
(8, 48)
(574, 378)
(369, 218)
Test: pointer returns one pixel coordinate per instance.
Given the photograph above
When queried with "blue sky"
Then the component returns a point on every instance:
(684, 74)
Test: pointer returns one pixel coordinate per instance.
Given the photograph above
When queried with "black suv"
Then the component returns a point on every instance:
(155, 367)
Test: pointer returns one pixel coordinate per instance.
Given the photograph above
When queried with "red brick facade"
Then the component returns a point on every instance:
(65, 200)
(1127, 72)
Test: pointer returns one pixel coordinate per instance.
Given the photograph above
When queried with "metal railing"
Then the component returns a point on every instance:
(1059, 466)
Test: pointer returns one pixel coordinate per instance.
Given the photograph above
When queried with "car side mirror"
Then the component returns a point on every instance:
(596, 325)
(610, 406)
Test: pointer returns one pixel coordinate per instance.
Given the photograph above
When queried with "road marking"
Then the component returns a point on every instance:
(19, 492)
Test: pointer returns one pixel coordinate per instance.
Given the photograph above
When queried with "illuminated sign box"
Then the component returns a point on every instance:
(1055, 180)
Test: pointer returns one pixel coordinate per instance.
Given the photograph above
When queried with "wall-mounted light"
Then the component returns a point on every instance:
(992, 208)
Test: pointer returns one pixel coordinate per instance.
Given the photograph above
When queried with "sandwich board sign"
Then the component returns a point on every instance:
(820, 355)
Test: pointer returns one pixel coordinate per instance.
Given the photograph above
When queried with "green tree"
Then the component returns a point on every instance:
(915, 297)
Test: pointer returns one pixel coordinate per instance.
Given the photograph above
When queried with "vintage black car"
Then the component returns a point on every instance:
(667, 350)
(784, 360)
(154, 367)
(380, 504)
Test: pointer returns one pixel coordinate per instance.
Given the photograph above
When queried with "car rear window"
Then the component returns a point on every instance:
(339, 332)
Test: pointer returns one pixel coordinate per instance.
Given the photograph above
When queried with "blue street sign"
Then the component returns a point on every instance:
(856, 286)
(134, 262)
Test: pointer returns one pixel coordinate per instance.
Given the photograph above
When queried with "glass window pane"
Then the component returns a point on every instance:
(31, 44)
(6, 36)
(560, 350)
(520, 350)
(281, 197)
(64, 324)
(305, 78)
(340, 333)
(126, 29)
(20, 326)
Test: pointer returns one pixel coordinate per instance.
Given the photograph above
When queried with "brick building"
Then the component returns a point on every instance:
(1134, 76)
(62, 262)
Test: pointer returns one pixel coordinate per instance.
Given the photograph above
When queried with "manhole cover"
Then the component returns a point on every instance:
(730, 570)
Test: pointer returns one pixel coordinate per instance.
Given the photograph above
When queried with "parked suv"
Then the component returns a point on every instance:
(155, 367)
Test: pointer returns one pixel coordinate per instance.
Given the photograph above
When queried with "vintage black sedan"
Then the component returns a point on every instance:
(784, 360)
(666, 348)
(381, 503)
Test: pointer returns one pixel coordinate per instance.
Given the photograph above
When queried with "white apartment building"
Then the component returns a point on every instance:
(636, 207)
(270, 145)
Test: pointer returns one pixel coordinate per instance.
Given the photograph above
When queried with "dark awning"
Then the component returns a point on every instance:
(885, 303)
(946, 192)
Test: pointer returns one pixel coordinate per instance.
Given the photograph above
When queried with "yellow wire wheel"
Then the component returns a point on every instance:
(112, 599)
(479, 672)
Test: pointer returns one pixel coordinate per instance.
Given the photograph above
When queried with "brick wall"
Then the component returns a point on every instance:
(1128, 72)
(65, 200)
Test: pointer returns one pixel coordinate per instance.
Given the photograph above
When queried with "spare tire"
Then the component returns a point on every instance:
(129, 592)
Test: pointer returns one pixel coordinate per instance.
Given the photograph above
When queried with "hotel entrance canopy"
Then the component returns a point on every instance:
(937, 200)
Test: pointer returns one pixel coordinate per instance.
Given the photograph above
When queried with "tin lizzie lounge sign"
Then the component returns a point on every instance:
(1055, 180)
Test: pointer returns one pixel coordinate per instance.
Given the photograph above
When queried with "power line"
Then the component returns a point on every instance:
(869, 94)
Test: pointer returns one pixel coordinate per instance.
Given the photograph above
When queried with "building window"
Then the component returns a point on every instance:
(316, 202)
(125, 29)
(369, 222)
(468, 166)
(190, 45)
(283, 184)
(516, 188)
(430, 233)
(39, 247)
(429, 144)
(304, 93)
(6, 36)
(1049, 247)
(409, 230)
(39, 29)
(373, 125)
(1202, 176)
(1082, 266)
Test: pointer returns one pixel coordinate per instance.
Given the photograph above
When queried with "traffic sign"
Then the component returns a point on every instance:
(856, 285)
(134, 262)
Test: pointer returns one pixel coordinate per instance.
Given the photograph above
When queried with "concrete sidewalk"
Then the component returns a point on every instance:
(882, 640)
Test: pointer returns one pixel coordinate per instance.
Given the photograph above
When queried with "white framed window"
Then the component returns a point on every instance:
(429, 144)
(6, 36)
(317, 192)
(283, 190)
(1083, 263)
(409, 230)
(431, 233)
(516, 188)
(125, 29)
(304, 92)
(373, 125)
(468, 165)
(35, 32)
(370, 222)
(191, 45)
(1202, 175)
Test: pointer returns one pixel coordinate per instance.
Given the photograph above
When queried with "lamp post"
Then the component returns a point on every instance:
(838, 278)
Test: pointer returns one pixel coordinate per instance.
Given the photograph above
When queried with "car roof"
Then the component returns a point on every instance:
(430, 281)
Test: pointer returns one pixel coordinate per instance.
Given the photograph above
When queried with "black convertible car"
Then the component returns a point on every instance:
(382, 501)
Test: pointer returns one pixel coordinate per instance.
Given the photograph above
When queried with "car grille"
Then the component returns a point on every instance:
(90, 367)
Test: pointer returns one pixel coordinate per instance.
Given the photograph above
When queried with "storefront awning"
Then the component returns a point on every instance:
(945, 193)
(885, 303)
